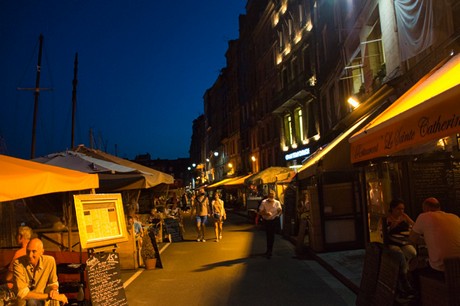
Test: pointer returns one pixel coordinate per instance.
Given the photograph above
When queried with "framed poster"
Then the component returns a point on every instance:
(100, 219)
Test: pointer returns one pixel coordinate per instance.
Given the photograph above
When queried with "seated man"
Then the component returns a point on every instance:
(440, 232)
(35, 278)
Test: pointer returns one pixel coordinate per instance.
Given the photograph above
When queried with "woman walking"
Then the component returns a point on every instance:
(219, 215)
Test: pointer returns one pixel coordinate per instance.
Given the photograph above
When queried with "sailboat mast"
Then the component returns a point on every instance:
(74, 100)
(36, 95)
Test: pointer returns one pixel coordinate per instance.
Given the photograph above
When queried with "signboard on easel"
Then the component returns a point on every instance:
(100, 219)
(101, 225)
(104, 281)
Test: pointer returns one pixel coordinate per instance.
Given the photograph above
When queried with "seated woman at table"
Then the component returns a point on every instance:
(395, 230)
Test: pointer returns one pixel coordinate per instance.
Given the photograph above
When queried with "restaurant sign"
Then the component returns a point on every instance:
(434, 119)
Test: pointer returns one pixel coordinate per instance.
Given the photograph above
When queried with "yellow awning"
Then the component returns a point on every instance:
(23, 178)
(271, 175)
(307, 168)
(237, 181)
(429, 110)
(220, 183)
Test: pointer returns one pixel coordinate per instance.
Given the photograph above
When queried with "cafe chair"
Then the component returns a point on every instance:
(442, 292)
(370, 274)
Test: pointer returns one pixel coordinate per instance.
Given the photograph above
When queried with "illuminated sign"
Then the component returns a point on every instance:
(100, 219)
(297, 154)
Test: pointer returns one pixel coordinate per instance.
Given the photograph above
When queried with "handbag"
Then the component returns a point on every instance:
(216, 216)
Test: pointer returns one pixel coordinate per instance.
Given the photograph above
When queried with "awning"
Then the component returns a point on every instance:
(152, 177)
(23, 178)
(80, 162)
(338, 150)
(271, 175)
(237, 181)
(219, 183)
(429, 110)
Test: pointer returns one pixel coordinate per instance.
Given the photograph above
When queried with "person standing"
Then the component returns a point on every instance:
(219, 215)
(200, 209)
(270, 209)
(35, 277)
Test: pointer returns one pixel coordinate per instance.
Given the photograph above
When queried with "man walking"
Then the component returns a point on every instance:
(270, 209)
(201, 210)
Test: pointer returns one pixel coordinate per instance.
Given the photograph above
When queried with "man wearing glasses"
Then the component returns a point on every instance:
(35, 277)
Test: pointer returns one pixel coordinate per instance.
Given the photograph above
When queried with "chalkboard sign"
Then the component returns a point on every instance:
(173, 229)
(104, 281)
(430, 179)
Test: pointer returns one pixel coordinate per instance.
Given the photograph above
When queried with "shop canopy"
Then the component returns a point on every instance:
(80, 162)
(334, 155)
(430, 110)
(112, 176)
(237, 181)
(152, 177)
(22, 179)
(220, 183)
(271, 175)
(230, 182)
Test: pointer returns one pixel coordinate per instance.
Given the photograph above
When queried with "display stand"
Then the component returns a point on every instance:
(104, 279)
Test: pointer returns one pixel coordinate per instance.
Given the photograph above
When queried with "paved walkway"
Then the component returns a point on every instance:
(234, 272)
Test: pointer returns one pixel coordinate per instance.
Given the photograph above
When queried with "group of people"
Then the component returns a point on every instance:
(434, 229)
(270, 210)
(32, 275)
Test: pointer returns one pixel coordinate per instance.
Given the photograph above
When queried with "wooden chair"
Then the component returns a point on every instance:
(370, 274)
(452, 275)
(442, 292)
(386, 290)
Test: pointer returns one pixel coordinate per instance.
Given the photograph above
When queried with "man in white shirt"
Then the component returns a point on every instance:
(440, 232)
(270, 209)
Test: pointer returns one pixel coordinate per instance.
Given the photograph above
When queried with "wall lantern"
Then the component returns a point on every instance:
(353, 102)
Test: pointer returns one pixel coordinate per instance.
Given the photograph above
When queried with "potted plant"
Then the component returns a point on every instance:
(148, 253)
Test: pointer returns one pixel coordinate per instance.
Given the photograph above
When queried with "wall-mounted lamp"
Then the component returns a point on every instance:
(230, 165)
(353, 102)
(253, 158)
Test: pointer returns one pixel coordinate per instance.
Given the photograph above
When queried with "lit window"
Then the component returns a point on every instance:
(299, 124)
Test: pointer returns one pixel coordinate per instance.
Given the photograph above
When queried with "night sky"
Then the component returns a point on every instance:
(144, 66)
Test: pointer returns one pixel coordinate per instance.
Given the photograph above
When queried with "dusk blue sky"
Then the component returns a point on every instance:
(144, 66)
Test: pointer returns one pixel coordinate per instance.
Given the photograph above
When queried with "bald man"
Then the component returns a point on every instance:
(440, 231)
(35, 277)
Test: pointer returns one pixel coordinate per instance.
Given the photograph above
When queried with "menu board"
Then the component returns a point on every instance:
(104, 280)
(100, 219)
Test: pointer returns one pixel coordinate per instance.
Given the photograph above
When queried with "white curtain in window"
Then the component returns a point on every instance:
(421, 23)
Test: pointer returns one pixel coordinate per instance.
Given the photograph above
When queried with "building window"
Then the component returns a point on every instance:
(284, 78)
(311, 121)
(299, 124)
(288, 133)
(294, 68)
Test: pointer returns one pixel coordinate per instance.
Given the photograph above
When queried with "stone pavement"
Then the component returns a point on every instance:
(234, 272)
(334, 268)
